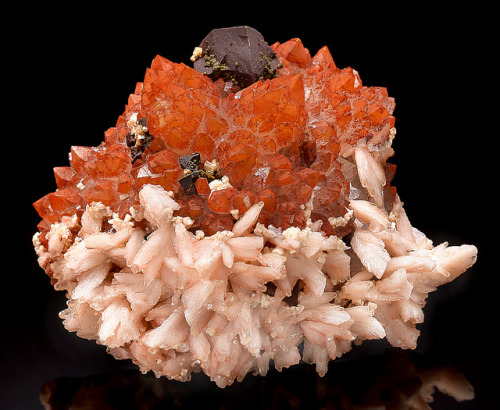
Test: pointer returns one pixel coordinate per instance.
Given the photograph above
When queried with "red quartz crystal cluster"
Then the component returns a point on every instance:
(276, 140)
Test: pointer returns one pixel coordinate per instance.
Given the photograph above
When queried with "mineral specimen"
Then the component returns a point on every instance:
(216, 230)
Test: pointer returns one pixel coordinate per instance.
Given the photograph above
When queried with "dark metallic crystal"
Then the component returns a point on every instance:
(188, 183)
(190, 161)
(237, 54)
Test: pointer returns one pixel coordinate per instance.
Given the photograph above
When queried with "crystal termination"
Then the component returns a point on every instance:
(216, 229)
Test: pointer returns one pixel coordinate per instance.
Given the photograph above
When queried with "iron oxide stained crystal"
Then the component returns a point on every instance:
(241, 212)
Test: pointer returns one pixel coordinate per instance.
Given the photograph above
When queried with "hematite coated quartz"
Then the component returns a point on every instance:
(288, 244)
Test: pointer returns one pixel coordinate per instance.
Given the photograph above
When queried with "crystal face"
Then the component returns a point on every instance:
(239, 55)
(276, 140)
(216, 229)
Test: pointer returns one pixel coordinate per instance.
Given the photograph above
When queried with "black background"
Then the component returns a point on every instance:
(70, 72)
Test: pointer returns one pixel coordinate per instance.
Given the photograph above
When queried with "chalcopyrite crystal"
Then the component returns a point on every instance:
(233, 219)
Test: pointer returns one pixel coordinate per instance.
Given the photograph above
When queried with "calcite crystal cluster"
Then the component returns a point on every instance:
(222, 225)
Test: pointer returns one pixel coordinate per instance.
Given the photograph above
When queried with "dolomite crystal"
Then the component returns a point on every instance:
(304, 250)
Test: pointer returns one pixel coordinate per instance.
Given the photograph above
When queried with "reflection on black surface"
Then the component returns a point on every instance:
(396, 380)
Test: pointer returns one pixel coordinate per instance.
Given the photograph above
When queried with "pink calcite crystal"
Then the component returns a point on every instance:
(291, 245)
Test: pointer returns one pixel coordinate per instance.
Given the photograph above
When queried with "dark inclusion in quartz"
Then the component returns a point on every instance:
(138, 145)
(190, 162)
(192, 165)
(239, 55)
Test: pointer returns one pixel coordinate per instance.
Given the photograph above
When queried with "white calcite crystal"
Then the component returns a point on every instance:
(176, 302)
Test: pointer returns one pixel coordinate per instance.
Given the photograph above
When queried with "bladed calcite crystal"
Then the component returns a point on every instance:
(217, 228)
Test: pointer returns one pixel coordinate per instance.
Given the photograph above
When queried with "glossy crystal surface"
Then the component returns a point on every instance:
(277, 141)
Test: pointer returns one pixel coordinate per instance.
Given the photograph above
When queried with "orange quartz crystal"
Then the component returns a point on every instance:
(277, 140)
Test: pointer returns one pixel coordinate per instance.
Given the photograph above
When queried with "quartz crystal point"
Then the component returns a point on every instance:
(217, 228)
